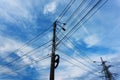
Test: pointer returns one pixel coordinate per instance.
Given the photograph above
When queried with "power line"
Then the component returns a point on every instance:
(76, 10)
(70, 32)
(77, 29)
(83, 11)
(60, 16)
(28, 42)
(75, 25)
(77, 49)
(80, 21)
(79, 66)
(16, 59)
(79, 62)
(25, 45)
(89, 16)
(35, 61)
(65, 9)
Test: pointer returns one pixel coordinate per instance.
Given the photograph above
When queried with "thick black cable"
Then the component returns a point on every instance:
(92, 8)
(60, 16)
(88, 17)
(78, 23)
(69, 32)
(82, 12)
(65, 10)
(67, 7)
(83, 16)
(76, 10)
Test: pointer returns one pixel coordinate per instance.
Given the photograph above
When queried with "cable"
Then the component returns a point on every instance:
(39, 35)
(24, 54)
(97, 2)
(40, 59)
(60, 16)
(77, 49)
(79, 22)
(69, 32)
(89, 11)
(31, 41)
(89, 67)
(89, 17)
(65, 10)
(84, 10)
(84, 16)
(79, 66)
(28, 42)
(73, 14)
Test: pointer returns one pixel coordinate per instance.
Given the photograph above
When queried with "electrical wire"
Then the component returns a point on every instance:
(93, 68)
(62, 14)
(28, 42)
(59, 41)
(87, 66)
(88, 17)
(76, 10)
(77, 49)
(65, 10)
(89, 12)
(16, 59)
(82, 12)
(69, 33)
(35, 61)
(60, 17)
(79, 66)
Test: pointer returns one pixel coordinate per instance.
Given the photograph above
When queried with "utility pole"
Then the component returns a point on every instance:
(54, 57)
(108, 74)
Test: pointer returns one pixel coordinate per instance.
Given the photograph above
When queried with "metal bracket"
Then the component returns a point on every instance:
(57, 60)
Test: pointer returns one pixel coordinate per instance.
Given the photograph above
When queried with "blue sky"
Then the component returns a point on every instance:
(22, 20)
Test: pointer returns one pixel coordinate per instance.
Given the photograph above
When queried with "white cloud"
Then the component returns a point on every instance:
(12, 10)
(69, 45)
(92, 40)
(50, 7)
(7, 70)
(18, 13)
(8, 45)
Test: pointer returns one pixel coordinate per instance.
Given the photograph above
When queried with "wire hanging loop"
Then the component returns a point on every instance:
(57, 60)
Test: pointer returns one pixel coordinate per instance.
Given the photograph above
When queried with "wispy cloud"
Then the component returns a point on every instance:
(50, 7)
(92, 40)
